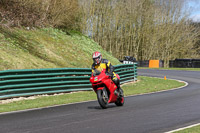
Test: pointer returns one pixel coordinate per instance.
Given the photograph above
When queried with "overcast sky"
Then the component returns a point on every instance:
(194, 6)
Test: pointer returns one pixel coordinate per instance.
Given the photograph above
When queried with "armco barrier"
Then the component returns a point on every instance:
(26, 82)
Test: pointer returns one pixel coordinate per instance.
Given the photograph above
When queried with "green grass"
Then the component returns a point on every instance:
(150, 84)
(195, 129)
(47, 48)
(184, 69)
(144, 85)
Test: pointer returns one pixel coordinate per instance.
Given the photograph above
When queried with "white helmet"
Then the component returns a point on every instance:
(97, 57)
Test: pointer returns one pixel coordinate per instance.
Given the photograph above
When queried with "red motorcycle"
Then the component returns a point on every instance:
(105, 89)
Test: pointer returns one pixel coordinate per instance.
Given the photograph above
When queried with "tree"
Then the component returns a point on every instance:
(145, 29)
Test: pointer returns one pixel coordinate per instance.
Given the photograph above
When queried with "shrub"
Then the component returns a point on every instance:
(39, 13)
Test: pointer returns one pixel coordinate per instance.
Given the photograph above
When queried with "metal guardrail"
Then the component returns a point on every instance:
(26, 82)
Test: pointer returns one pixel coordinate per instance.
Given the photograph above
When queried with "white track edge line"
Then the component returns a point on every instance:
(179, 129)
(186, 84)
(44, 107)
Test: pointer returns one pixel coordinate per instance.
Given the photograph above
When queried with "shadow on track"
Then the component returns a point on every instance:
(98, 107)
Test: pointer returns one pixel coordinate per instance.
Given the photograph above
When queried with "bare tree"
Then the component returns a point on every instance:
(145, 29)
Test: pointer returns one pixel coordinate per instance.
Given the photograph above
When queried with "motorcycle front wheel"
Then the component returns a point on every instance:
(102, 97)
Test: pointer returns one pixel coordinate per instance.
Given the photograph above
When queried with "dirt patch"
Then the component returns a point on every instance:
(27, 98)
(131, 82)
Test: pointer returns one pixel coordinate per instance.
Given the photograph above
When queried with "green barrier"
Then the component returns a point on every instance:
(26, 82)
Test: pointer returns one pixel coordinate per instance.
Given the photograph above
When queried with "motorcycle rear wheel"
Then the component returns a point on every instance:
(102, 97)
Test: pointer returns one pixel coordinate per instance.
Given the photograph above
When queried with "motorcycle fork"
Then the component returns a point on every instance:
(105, 94)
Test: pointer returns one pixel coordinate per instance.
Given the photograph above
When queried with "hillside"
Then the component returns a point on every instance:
(47, 48)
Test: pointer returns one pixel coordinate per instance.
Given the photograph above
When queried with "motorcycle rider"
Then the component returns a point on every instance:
(99, 64)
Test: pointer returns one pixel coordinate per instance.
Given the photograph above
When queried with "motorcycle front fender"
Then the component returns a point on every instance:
(100, 88)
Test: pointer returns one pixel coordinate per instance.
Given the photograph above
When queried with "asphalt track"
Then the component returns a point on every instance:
(150, 113)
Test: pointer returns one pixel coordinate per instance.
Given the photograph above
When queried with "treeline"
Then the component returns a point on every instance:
(196, 46)
(39, 13)
(145, 29)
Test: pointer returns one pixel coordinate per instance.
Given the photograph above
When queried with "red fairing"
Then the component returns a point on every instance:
(117, 76)
(101, 81)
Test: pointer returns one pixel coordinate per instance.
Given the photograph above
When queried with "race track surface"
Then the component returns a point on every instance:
(150, 113)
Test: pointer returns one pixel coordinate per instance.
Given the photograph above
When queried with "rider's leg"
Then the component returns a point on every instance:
(119, 91)
(116, 81)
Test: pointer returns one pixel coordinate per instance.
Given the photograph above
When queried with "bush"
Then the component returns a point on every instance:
(39, 13)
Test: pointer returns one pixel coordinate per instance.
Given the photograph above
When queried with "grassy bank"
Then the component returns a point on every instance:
(47, 48)
(144, 85)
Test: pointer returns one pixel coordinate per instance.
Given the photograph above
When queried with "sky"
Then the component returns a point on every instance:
(194, 6)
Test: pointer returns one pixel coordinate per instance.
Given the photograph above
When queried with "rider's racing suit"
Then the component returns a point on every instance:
(105, 64)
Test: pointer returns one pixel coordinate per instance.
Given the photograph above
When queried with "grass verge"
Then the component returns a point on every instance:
(195, 129)
(144, 85)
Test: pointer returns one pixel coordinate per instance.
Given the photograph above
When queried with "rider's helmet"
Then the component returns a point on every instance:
(97, 57)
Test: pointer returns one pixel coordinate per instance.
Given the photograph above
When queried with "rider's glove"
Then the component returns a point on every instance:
(109, 74)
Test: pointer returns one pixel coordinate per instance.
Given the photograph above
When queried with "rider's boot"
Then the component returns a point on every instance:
(116, 92)
(119, 91)
(121, 94)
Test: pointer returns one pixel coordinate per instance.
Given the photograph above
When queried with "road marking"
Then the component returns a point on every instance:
(186, 84)
(33, 109)
(179, 129)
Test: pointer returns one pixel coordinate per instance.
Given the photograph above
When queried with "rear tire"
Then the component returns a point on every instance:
(102, 97)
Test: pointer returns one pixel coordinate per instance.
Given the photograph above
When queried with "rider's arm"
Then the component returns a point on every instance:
(92, 68)
(110, 68)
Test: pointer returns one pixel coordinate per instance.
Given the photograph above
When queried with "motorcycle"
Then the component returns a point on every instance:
(105, 89)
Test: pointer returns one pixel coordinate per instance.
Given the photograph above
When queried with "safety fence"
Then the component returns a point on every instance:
(185, 63)
(26, 82)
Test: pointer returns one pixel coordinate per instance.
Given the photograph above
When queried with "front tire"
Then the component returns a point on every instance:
(102, 97)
